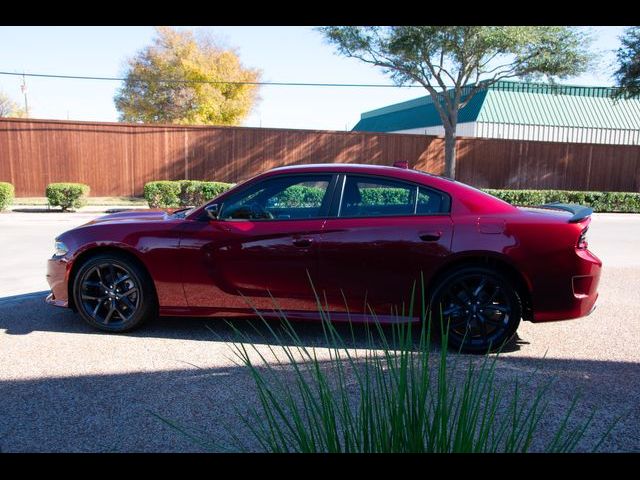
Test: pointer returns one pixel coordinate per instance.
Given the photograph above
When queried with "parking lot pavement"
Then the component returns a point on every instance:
(67, 387)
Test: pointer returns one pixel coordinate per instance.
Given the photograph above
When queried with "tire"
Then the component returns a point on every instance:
(114, 293)
(480, 306)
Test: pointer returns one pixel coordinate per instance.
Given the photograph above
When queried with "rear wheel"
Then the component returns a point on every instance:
(113, 293)
(480, 306)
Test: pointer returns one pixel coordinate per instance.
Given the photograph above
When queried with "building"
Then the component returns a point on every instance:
(519, 110)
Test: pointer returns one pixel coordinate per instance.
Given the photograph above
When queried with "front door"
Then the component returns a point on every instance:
(262, 250)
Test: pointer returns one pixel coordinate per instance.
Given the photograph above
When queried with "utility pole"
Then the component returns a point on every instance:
(23, 87)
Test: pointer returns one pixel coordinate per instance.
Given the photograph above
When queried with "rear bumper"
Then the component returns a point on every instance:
(572, 295)
(57, 277)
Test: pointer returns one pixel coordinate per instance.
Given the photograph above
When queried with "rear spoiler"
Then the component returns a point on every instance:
(579, 212)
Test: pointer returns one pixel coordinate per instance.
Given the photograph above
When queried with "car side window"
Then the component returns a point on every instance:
(431, 202)
(286, 198)
(372, 197)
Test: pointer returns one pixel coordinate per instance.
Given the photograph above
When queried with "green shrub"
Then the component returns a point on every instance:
(182, 193)
(299, 196)
(67, 195)
(624, 202)
(6, 195)
(162, 194)
(385, 196)
(196, 192)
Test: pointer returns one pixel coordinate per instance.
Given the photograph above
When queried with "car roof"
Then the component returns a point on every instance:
(385, 170)
(341, 167)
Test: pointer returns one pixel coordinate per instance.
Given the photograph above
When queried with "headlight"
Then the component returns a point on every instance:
(60, 249)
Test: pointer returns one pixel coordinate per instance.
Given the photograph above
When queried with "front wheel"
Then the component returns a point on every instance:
(113, 293)
(480, 306)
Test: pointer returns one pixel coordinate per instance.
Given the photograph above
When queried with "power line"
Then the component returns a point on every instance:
(288, 84)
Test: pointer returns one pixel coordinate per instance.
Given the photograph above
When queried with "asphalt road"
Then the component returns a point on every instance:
(68, 388)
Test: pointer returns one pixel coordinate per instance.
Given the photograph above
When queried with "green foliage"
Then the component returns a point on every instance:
(186, 193)
(162, 194)
(67, 195)
(182, 56)
(182, 193)
(385, 196)
(299, 196)
(379, 392)
(9, 108)
(430, 55)
(6, 195)
(392, 396)
(623, 202)
(195, 192)
(628, 74)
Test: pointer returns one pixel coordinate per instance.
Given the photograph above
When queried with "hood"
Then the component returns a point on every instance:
(132, 216)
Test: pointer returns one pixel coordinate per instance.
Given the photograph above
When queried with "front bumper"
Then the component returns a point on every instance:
(52, 300)
(57, 277)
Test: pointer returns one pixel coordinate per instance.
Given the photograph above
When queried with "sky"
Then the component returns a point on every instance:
(284, 54)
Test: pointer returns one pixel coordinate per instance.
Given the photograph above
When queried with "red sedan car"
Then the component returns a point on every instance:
(362, 235)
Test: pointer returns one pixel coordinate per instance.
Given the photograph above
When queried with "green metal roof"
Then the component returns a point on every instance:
(516, 103)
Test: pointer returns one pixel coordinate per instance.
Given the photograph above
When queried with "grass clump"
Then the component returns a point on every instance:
(387, 389)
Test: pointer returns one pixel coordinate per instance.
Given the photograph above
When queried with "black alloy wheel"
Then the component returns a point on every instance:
(113, 293)
(481, 308)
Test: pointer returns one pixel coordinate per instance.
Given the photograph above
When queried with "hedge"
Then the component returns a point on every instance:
(67, 195)
(182, 193)
(622, 202)
(6, 195)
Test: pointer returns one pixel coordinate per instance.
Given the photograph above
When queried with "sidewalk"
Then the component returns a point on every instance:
(87, 209)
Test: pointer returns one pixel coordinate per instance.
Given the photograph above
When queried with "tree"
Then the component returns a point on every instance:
(628, 74)
(190, 61)
(9, 108)
(446, 59)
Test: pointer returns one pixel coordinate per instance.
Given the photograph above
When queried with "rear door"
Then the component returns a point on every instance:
(381, 236)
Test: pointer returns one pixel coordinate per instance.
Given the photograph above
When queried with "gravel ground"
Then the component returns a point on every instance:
(68, 388)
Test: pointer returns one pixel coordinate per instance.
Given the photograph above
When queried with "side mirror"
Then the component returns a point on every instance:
(212, 211)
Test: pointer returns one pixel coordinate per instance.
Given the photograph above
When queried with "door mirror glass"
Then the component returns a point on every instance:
(212, 211)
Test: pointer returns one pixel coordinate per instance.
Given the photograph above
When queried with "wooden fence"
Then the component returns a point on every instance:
(118, 159)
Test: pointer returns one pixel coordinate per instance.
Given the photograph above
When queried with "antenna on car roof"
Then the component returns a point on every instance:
(401, 164)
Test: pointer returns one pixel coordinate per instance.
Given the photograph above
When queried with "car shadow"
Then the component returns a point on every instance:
(124, 411)
(27, 313)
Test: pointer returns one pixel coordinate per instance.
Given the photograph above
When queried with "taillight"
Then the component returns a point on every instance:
(582, 240)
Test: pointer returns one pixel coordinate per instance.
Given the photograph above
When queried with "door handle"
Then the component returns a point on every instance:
(430, 236)
(302, 242)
